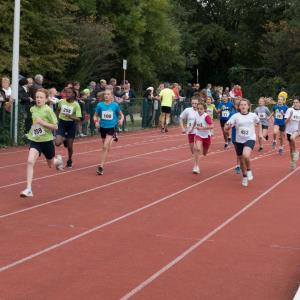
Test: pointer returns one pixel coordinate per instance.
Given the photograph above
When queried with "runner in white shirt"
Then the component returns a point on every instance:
(189, 116)
(292, 122)
(244, 122)
(203, 125)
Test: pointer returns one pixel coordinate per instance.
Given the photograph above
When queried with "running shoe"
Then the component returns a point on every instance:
(196, 170)
(59, 164)
(237, 169)
(280, 151)
(260, 149)
(267, 137)
(100, 170)
(249, 175)
(295, 156)
(162, 130)
(245, 181)
(26, 193)
(69, 163)
(274, 145)
(293, 165)
(226, 146)
(115, 137)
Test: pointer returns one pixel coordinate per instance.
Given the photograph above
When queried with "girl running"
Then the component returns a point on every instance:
(203, 124)
(279, 111)
(224, 109)
(292, 116)
(189, 115)
(69, 113)
(264, 114)
(106, 117)
(245, 122)
(44, 121)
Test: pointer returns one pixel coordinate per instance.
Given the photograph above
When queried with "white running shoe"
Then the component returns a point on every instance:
(293, 165)
(59, 164)
(249, 175)
(26, 193)
(245, 181)
(196, 170)
(295, 156)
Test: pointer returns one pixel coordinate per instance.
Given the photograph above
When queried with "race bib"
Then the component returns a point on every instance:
(67, 110)
(107, 115)
(210, 112)
(225, 114)
(37, 130)
(244, 131)
(278, 115)
(296, 117)
(262, 115)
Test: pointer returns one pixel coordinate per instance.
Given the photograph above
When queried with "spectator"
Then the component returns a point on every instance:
(283, 94)
(26, 103)
(37, 84)
(6, 92)
(53, 98)
(147, 108)
(128, 103)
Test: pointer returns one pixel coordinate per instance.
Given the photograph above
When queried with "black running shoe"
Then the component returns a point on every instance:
(100, 170)
(226, 146)
(69, 163)
(267, 137)
(115, 137)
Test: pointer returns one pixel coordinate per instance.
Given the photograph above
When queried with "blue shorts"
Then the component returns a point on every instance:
(239, 147)
(66, 129)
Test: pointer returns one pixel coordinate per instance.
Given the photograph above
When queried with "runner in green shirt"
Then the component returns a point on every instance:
(69, 112)
(41, 138)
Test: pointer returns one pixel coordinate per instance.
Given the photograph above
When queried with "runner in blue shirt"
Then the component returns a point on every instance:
(278, 112)
(107, 115)
(224, 109)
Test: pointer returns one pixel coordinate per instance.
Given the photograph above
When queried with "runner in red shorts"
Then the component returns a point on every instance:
(203, 125)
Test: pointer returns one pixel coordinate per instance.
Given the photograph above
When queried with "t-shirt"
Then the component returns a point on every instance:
(293, 124)
(39, 133)
(279, 112)
(245, 126)
(166, 97)
(226, 110)
(201, 122)
(210, 110)
(108, 114)
(263, 113)
(69, 109)
(189, 114)
(233, 129)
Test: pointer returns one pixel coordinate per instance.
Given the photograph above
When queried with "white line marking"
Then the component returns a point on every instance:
(297, 296)
(204, 239)
(55, 246)
(91, 166)
(78, 236)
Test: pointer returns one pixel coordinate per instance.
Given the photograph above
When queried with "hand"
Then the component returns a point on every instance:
(38, 121)
(120, 122)
(97, 125)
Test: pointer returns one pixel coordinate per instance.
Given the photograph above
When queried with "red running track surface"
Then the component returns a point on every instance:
(149, 228)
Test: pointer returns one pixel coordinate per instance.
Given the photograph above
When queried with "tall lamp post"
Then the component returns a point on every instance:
(15, 66)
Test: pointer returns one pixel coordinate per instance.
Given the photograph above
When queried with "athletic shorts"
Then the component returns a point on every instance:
(191, 138)
(66, 129)
(166, 109)
(281, 127)
(107, 131)
(223, 122)
(46, 148)
(239, 147)
(205, 141)
(264, 127)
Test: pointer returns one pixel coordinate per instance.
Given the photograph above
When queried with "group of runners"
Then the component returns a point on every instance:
(237, 122)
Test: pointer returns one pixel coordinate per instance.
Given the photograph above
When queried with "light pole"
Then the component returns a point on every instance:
(15, 66)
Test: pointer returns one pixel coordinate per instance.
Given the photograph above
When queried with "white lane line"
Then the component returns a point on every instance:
(297, 296)
(204, 239)
(131, 213)
(87, 232)
(146, 142)
(91, 166)
(96, 188)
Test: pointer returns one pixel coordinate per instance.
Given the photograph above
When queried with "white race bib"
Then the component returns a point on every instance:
(67, 110)
(244, 131)
(107, 115)
(296, 116)
(225, 114)
(279, 115)
(262, 115)
(37, 130)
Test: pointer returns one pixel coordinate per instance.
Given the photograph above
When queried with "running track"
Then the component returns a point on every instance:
(149, 228)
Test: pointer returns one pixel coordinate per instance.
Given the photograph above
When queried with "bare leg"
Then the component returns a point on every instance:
(106, 147)
(32, 158)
